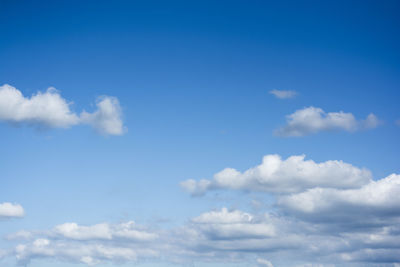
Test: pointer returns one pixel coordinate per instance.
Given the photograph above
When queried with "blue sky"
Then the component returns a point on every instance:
(182, 90)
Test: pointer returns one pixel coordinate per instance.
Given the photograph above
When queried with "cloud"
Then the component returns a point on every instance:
(221, 236)
(336, 215)
(226, 224)
(99, 243)
(375, 200)
(50, 110)
(264, 262)
(274, 175)
(107, 118)
(104, 231)
(283, 94)
(312, 120)
(10, 210)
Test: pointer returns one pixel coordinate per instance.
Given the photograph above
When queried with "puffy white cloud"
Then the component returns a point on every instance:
(312, 120)
(90, 245)
(128, 230)
(9, 210)
(47, 109)
(50, 110)
(75, 231)
(226, 224)
(295, 174)
(283, 94)
(375, 200)
(107, 118)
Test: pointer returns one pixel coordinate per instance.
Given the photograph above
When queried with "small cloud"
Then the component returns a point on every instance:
(10, 210)
(283, 94)
(264, 263)
(312, 120)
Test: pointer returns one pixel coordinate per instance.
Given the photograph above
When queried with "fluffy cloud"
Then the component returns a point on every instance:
(312, 120)
(105, 231)
(295, 174)
(226, 224)
(338, 216)
(374, 201)
(283, 94)
(221, 236)
(50, 110)
(90, 245)
(107, 118)
(10, 210)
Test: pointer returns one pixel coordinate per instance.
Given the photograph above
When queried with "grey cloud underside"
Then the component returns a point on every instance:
(50, 110)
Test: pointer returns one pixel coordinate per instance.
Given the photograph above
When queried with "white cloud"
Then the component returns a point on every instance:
(50, 110)
(312, 120)
(377, 199)
(74, 231)
(99, 243)
(226, 224)
(20, 235)
(105, 231)
(283, 94)
(107, 118)
(295, 174)
(9, 210)
(264, 262)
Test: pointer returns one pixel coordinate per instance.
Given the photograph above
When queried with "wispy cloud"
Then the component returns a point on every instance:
(283, 94)
(312, 120)
(50, 110)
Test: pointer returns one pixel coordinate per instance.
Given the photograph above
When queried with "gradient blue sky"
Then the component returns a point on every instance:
(193, 82)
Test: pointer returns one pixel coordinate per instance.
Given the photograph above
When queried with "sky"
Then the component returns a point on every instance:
(199, 133)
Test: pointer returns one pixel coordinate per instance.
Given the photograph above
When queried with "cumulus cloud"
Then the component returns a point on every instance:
(274, 175)
(50, 110)
(10, 210)
(99, 243)
(236, 224)
(283, 94)
(338, 216)
(107, 118)
(377, 199)
(104, 231)
(222, 236)
(312, 120)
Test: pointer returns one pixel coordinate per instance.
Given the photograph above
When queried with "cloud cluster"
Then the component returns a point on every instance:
(312, 120)
(371, 202)
(274, 175)
(10, 210)
(50, 110)
(329, 213)
(283, 94)
(116, 243)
